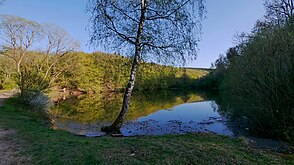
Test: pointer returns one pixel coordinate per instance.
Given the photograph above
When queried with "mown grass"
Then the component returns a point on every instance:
(46, 146)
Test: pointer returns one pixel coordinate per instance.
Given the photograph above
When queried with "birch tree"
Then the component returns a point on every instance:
(161, 30)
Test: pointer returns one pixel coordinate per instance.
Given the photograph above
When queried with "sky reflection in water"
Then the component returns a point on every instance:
(173, 113)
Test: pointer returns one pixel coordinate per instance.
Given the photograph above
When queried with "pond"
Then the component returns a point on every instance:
(157, 113)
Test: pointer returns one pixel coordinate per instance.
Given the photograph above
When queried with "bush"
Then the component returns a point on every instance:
(8, 85)
(34, 100)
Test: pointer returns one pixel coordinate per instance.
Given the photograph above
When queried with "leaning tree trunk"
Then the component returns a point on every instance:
(128, 92)
(127, 96)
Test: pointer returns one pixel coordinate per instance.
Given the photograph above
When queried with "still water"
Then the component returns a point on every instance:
(159, 113)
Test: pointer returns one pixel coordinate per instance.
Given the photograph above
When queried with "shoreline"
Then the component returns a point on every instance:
(39, 144)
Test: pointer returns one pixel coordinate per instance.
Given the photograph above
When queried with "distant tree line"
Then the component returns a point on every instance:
(101, 72)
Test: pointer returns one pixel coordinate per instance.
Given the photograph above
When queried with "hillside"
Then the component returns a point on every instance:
(109, 72)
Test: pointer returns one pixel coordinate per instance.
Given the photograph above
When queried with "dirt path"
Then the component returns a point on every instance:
(6, 95)
(9, 149)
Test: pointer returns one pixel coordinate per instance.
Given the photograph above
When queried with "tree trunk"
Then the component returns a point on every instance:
(115, 127)
(127, 96)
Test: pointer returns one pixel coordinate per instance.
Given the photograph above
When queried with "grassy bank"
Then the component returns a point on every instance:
(46, 146)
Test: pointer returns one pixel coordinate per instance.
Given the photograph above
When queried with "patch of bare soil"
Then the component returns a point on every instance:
(270, 145)
(10, 150)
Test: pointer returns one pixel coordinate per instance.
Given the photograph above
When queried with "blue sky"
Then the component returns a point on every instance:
(225, 18)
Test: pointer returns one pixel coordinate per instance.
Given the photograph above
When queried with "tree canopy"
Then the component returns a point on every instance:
(171, 28)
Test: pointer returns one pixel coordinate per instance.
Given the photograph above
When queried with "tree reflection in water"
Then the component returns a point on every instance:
(86, 115)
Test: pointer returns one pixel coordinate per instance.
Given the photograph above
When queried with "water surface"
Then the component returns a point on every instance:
(159, 113)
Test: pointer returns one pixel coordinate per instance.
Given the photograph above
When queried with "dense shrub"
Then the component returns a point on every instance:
(7, 85)
(7, 75)
(34, 100)
(260, 83)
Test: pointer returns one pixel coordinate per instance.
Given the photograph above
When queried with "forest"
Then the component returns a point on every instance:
(96, 73)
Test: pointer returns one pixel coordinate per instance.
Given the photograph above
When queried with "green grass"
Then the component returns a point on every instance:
(46, 146)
